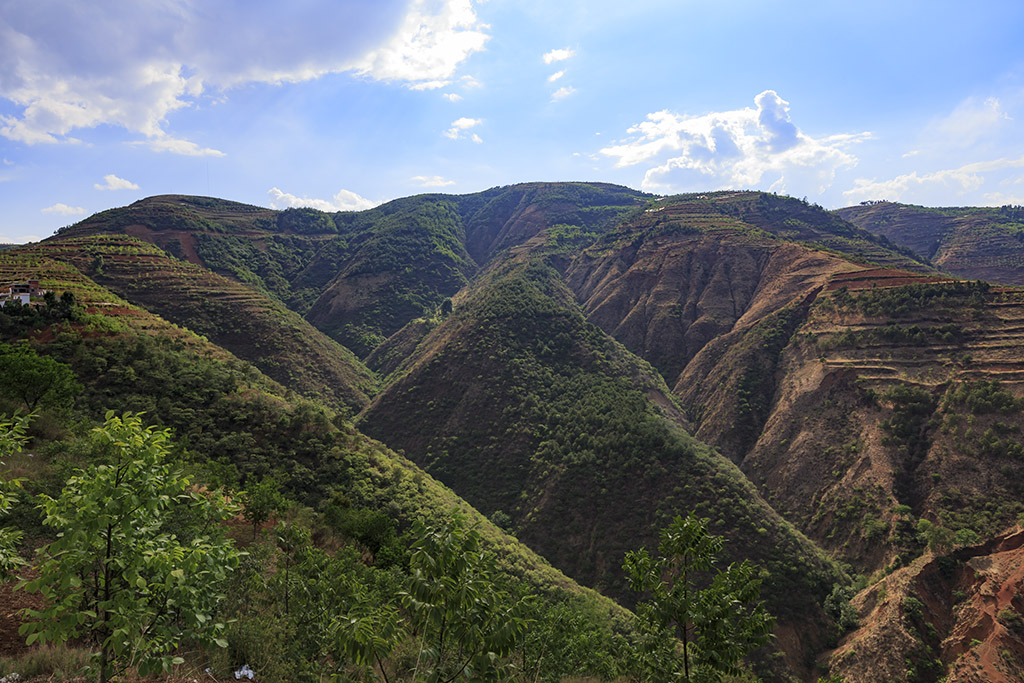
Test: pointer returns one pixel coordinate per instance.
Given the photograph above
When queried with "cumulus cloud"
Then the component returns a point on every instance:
(460, 128)
(430, 44)
(431, 181)
(112, 182)
(558, 55)
(563, 92)
(452, 97)
(740, 148)
(69, 65)
(955, 181)
(64, 210)
(344, 200)
(555, 76)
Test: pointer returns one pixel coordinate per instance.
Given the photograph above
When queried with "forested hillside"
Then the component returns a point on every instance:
(582, 364)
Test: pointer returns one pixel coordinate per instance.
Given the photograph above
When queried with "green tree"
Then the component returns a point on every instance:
(467, 622)
(36, 380)
(260, 501)
(139, 557)
(12, 438)
(715, 613)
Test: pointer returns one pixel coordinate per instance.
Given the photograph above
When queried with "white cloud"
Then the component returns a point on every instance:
(732, 148)
(955, 181)
(432, 181)
(112, 182)
(68, 65)
(563, 92)
(430, 44)
(558, 55)
(64, 210)
(460, 126)
(25, 239)
(555, 76)
(344, 200)
(452, 97)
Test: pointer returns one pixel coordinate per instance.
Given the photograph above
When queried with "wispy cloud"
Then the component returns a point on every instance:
(452, 97)
(969, 122)
(555, 76)
(563, 92)
(112, 182)
(183, 147)
(431, 181)
(739, 148)
(1001, 199)
(64, 210)
(558, 55)
(344, 200)
(460, 128)
(953, 181)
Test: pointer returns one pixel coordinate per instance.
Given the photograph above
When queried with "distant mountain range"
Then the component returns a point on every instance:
(829, 388)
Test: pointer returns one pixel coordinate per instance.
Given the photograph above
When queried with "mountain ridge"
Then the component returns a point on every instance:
(588, 360)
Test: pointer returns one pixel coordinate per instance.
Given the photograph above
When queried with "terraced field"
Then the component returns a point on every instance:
(950, 341)
(253, 327)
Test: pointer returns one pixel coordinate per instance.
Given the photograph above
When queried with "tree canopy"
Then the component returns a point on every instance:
(713, 612)
(139, 558)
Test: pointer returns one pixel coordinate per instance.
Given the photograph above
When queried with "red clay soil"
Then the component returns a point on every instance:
(981, 647)
(976, 612)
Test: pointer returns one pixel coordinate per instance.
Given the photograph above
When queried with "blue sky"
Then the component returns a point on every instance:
(345, 104)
